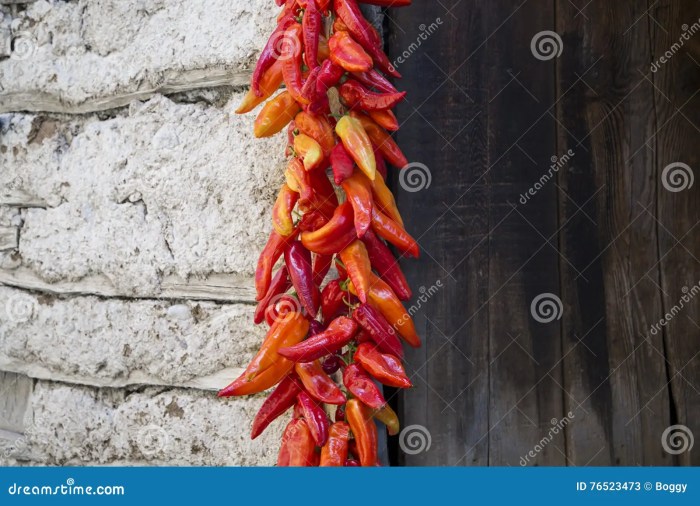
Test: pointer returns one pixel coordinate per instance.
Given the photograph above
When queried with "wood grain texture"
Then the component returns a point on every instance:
(603, 234)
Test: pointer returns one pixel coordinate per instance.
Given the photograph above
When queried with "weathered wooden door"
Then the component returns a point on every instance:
(552, 196)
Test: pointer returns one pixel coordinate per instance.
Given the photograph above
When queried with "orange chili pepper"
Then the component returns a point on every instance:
(270, 83)
(275, 115)
(358, 189)
(382, 140)
(359, 268)
(384, 199)
(358, 144)
(385, 119)
(282, 219)
(392, 232)
(383, 299)
(298, 180)
(319, 385)
(318, 128)
(388, 417)
(309, 150)
(324, 52)
(298, 447)
(362, 425)
(335, 451)
(347, 53)
(334, 235)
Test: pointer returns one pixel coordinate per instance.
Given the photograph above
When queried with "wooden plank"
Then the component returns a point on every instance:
(15, 390)
(216, 287)
(525, 371)
(608, 239)
(447, 131)
(19, 198)
(173, 82)
(676, 125)
(8, 238)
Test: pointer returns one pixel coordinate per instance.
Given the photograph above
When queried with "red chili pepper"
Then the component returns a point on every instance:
(321, 266)
(335, 452)
(388, 417)
(358, 382)
(383, 298)
(378, 329)
(364, 33)
(358, 144)
(291, 56)
(270, 53)
(334, 235)
(373, 79)
(348, 54)
(311, 24)
(308, 150)
(329, 76)
(342, 164)
(269, 84)
(315, 417)
(392, 232)
(385, 119)
(339, 333)
(298, 448)
(282, 219)
(359, 268)
(318, 384)
(357, 96)
(275, 115)
(273, 250)
(312, 220)
(318, 128)
(365, 431)
(325, 200)
(298, 180)
(381, 138)
(298, 261)
(332, 304)
(386, 265)
(308, 89)
(358, 190)
(381, 164)
(386, 368)
(280, 284)
(280, 400)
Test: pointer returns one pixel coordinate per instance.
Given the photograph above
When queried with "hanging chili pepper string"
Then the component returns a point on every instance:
(337, 109)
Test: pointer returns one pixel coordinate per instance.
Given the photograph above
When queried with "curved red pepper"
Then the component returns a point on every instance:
(386, 265)
(358, 382)
(357, 96)
(334, 235)
(298, 261)
(339, 333)
(392, 232)
(348, 54)
(332, 304)
(322, 264)
(273, 250)
(279, 285)
(315, 417)
(381, 138)
(280, 400)
(311, 24)
(318, 384)
(282, 219)
(374, 79)
(386, 368)
(385, 119)
(329, 76)
(291, 57)
(298, 448)
(379, 330)
(270, 52)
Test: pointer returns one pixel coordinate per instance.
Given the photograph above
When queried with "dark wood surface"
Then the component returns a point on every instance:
(603, 235)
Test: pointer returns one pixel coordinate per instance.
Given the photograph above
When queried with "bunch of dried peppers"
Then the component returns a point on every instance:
(336, 107)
